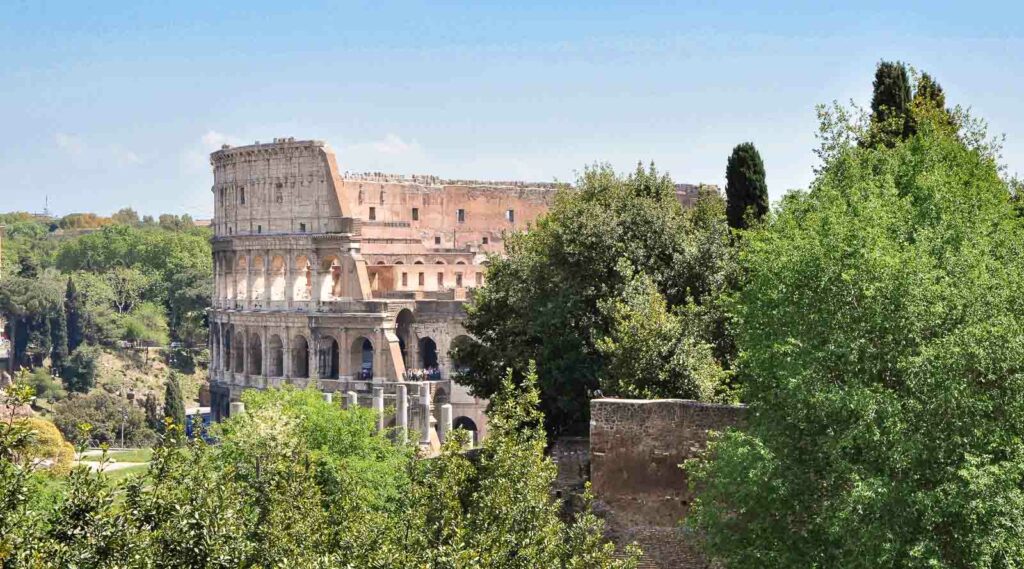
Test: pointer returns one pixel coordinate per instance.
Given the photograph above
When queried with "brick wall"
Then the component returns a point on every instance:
(636, 447)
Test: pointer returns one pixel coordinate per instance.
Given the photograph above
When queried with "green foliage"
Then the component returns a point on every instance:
(58, 337)
(104, 413)
(79, 372)
(653, 352)
(285, 488)
(882, 331)
(126, 216)
(890, 104)
(174, 403)
(543, 301)
(32, 305)
(44, 385)
(745, 189)
(73, 305)
(146, 325)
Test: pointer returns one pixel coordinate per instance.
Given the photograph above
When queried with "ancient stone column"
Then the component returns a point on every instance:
(425, 404)
(378, 407)
(236, 408)
(351, 400)
(445, 428)
(402, 413)
(329, 397)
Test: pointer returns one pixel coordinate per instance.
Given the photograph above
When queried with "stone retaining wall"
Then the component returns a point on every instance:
(636, 447)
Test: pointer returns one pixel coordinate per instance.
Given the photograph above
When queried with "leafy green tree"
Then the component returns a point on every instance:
(146, 324)
(745, 190)
(542, 302)
(152, 409)
(129, 286)
(104, 413)
(45, 387)
(890, 104)
(126, 216)
(653, 352)
(881, 326)
(31, 304)
(73, 305)
(174, 403)
(79, 372)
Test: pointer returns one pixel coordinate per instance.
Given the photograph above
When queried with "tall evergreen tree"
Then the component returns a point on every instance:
(890, 104)
(153, 419)
(75, 316)
(745, 188)
(58, 339)
(174, 404)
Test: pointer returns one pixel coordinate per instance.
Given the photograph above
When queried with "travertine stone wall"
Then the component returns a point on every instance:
(636, 447)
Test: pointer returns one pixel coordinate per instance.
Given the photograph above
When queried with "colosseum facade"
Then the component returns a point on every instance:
(354, 283)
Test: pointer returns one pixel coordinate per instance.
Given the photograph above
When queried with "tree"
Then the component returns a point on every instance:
(58, 338)
(745, 189)
(174, 404)
(146, 324)
(881, 327)
(152, 409)
(48, 448)
(104, 413)
(128, 286)
(73, 304)
(45, 387)
(79, 372)
(126, 216)
(890, 104)
(542, 302)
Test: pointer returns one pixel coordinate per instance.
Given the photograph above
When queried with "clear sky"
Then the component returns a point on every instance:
(112, 104)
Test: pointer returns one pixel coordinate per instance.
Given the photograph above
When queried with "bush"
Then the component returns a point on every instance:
(104, 412)
(80, 370)
(47, 445)
(45, 386)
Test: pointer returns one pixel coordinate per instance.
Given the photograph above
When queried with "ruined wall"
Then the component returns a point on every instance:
(636, 447)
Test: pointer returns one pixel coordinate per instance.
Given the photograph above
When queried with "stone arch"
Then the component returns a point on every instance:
(428, 353)
(460, 262)
(467, 424)
(258, 271)
(398, 262)
(302, 285)
(332, 359)
(300, 357)
(381, 263)
(227, 355)
(238, 353)
(241, 277)
(361, 358)
(440, 262)
(275, 367)
(418, 262)
(255, 366)
(277, 278)
(331, 278)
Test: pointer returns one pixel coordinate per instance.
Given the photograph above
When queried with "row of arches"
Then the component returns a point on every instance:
(241, 352)
(273, 278)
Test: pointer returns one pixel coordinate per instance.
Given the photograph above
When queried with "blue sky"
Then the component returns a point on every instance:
(105, 105)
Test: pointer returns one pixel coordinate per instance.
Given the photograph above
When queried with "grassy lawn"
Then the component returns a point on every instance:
(115, 476)
(134, 455)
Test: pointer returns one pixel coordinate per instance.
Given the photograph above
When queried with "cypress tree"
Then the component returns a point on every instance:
(58, 339)
(745, 188)
(153, 420)
(890, 103)
(174, 404)
(75, 324)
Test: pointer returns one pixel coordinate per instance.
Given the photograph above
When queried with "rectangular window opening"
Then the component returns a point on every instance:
(423, 280)
(458, 279)
(373, 213)
(510, 216)
(241, 193)
(302, 228)
(461, 216)
(440, 279)
(437, 240)
(415, 214)
(405, 279)
(486, 240)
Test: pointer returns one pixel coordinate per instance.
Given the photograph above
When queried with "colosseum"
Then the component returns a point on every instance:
(354, 283)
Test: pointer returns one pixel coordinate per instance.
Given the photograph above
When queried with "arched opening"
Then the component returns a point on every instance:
(405, 335)
(466, 424)
(361, 358)
(277, 279)
(428, 354)
(241, 276)
(258, 272)
(276, 356)
(255, 355)
(330, 281)
(302, 283)
(331, 359)
(300, 357)
(215, 345)
(239, 353)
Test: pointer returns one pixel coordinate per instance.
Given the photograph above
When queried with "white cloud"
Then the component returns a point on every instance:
(195, 157)
(83, 154)
(213, 140)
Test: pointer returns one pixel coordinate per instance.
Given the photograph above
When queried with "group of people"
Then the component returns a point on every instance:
(427, 374)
